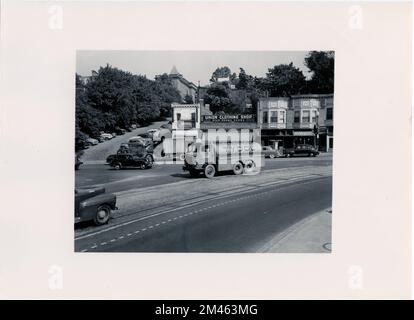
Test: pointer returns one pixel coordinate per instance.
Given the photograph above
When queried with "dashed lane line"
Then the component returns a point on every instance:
(95, 246)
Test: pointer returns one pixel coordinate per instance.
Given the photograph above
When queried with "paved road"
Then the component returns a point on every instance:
(239, 222)
(116, 181)
(164, 210)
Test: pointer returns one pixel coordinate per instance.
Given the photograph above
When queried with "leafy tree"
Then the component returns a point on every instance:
(115, 98)
(223, 72)
(245, 81)
(321, 64)
(284, 80)
(218, 99)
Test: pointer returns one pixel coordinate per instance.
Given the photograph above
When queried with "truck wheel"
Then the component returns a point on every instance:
(117, 166)
(194, 173)
(249, 166)
(102, 215)
(238, 168)
(209, 171)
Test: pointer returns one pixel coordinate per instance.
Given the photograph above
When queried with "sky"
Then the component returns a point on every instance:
(195, 66)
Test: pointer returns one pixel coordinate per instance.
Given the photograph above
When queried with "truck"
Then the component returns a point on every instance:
(213, 157)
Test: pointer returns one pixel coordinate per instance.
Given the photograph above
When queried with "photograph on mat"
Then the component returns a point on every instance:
(204, 151)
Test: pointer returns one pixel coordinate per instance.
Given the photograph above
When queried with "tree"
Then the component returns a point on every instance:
(218, 99)
(284, 80)
(115, 98)
(321, 64)
(245, 82)
(223, 72)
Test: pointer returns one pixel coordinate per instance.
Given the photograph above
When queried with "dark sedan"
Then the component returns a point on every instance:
(94, 204)
(301, 150)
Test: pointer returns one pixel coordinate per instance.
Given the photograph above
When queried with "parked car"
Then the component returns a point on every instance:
(106, 136)
(94, 204)
(91, 142)
(302, 150)
(145, 138)
(269, 152)
(139, 158)
(162, 133)
(119, 131)
(134, 126)
(150, 132)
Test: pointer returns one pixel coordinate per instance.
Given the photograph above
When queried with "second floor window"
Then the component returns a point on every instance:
(297, 117)
(273, 117)
(178, 116)
(314, 116)
(306, 116)
(264, 120)
(329, 114)
(282, 117)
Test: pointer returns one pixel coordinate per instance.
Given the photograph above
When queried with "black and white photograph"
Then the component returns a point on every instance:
(204, 151)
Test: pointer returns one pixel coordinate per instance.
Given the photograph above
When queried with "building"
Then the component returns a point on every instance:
(184, 87)
(185, 120)
(193, 120)
(286, 122)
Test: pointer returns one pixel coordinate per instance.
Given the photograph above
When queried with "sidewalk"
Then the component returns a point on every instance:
(310, 235)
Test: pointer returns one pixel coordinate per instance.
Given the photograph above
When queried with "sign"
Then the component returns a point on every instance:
(225, 118)
(303, 134)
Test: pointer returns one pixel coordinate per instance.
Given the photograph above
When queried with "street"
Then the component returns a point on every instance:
(164, 210)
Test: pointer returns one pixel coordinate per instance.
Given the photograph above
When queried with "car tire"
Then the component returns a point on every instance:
(271, 156)
(117, 166)
(238, 168)
(103, 213)
(210, 171)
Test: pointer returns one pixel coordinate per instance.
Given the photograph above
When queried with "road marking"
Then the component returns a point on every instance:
(167, 211)
(150, 227)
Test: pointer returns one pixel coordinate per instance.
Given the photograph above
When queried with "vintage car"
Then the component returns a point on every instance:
(137, 155)
(301, 150)
(269, 152)
(93, 204)
(162, 133)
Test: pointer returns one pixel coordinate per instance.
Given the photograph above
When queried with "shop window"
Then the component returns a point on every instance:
(273, 117)
(306, 116)
(297, 117)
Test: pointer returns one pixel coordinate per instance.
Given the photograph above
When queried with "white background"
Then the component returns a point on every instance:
(371, 194)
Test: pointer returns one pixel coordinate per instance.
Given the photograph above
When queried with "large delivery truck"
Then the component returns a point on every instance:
(210, 158)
